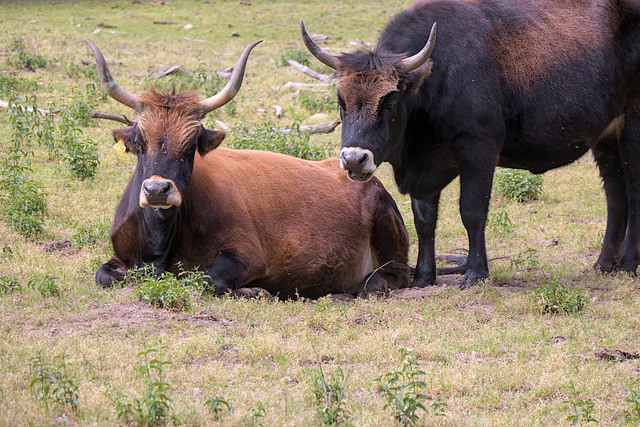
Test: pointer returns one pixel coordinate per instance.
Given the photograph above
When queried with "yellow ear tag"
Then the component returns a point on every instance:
(120, 148)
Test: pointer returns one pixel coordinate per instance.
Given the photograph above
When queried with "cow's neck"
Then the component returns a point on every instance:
(157, 232)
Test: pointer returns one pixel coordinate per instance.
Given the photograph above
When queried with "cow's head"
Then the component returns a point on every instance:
(168, 132)
(373, 89)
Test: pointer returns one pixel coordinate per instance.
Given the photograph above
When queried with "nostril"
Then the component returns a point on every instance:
(155, 187)
(363, 159)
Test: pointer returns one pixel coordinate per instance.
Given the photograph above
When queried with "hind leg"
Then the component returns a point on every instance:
(630, 153)
(607, 155)
(390, 244)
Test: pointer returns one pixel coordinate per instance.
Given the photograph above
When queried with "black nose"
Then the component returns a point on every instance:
(354, 160)
(156, 187)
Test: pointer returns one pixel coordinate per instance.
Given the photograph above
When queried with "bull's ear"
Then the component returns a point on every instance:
(125, 140)
(416, 77)
(209, 139)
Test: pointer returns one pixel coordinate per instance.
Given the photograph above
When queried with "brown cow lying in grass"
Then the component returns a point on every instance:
(250, 220)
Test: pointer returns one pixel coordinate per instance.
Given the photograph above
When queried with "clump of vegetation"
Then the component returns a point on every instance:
(79, 153)
(199, 80)
(299, 55)
(19, 57)
(154, 407)
(518, 185)
(24, 205)
(634, 401)
(317, 102)
(53, 383)
(582, 409)
(45, 284)
(9, 285)
(11, 85)
(555, 298)
(91, 234)
(527, 258)
(267, 137)
(165, 290)
(217, 405)
(501, 221)
(402, 391)
(329, 392)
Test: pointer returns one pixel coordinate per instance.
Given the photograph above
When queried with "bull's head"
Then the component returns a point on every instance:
(167, 132)
(373, 89)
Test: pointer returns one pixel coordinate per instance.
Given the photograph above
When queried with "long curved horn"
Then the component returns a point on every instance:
(112, 88)
(233, 86)
(411, 63)
(326, 58)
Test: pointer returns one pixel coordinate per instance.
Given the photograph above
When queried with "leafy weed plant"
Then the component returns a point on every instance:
(45, 284)
(402, 391)
(528, 258)
(556, 298)
(267, 137)
(154, 407)
(299, 55)
(53, 383)
(19, 57)
(518, 185)
(634, 402)
(9, 285)
(582, 409)
(329, 393)
(218, 405)
(501, 221)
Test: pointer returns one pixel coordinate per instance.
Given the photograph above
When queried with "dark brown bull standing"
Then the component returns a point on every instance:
(248, 219)
(521, 84)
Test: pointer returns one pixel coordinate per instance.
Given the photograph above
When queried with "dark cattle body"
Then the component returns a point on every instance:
(250, 220)
(521, 84)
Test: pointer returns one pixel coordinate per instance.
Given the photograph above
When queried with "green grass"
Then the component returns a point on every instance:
(489, 353)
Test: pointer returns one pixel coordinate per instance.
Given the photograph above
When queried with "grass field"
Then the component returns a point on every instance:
(73, 354)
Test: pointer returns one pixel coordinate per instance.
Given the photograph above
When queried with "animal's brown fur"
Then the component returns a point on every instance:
(167, 120)
(363, 92)
(548, 36)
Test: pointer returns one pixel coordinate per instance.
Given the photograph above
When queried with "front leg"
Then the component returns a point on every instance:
(231, 271)
(425, 214)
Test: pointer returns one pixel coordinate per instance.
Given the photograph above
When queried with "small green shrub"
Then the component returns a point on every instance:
(267, 137)
(501, 221)
(91, 234)
(317, 102)
(53, 383)
(329, 392)
(217, 405)
(299, 55)
(9, 285)
(199, 80)
(555, 298)
(154, 407)
(165, 290)
(519, 185)
(19, 57)
(402, 391)
(582, 409)
(634, 402)
(23, 202)
(527, 258)
(45, 284)
(12, 86)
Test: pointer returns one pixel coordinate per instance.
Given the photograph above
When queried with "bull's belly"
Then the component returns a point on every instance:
(540, 156)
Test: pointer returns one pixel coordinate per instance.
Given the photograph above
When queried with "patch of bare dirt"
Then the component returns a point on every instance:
(619, 355)
(64, 246)
(119, 317)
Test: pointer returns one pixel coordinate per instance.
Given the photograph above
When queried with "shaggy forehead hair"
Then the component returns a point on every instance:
(363, 78)
(168, 121)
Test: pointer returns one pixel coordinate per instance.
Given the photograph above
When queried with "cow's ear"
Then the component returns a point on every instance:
(209, 139)
(125, 140)
(416, 77)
